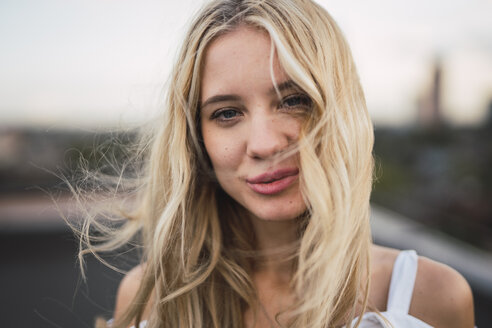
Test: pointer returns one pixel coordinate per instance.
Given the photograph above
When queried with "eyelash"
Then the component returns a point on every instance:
(218, 114)
(304, 102)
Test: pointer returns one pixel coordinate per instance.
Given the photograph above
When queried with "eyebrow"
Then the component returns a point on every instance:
(289, 84)
(220, 98)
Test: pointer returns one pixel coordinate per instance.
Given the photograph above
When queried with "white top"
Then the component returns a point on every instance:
(399, 297)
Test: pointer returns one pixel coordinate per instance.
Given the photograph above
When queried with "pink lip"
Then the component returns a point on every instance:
(273, 182)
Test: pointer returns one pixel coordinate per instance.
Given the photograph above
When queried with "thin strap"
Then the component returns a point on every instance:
(402, 281)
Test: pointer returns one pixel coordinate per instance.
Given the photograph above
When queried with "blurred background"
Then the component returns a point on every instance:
(76, 74)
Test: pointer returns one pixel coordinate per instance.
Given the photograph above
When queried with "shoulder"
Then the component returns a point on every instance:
(127, 290)
(441, 296)
(382, 261)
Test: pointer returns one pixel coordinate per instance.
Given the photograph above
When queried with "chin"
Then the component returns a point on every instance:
(273, 213)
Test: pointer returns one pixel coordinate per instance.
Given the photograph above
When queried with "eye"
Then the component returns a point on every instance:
(299, 100)
(225, 115)
(229, 113)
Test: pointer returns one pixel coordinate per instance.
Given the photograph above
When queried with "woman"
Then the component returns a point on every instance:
(254, 210)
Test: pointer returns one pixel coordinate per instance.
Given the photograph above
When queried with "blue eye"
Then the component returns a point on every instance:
(225, 114)
(228, 113)
(297, 100)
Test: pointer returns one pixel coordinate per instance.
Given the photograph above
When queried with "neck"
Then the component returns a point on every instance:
(276, 243)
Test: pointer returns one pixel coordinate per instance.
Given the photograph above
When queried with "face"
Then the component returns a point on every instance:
(245, 124)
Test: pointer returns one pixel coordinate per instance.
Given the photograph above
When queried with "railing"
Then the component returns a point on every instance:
(394, 230)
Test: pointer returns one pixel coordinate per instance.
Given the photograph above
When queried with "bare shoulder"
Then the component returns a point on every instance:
(127, 290)
(442, 297)
(382, 261)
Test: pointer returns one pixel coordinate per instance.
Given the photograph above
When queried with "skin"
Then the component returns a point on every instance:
(243, 135)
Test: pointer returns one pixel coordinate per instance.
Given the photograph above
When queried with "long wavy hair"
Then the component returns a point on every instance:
(198, 247)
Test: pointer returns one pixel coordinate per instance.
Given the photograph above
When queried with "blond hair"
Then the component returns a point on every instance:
(197, 249)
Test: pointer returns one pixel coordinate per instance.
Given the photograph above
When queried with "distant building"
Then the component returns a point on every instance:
(429, 105)
(12, 143)
(488, 119)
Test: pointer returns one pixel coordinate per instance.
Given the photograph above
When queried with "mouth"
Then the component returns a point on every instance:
(273, 182)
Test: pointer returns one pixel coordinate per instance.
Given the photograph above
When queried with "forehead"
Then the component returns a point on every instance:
(240, 60)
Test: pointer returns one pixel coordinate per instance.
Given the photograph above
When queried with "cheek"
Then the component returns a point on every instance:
(223, 150)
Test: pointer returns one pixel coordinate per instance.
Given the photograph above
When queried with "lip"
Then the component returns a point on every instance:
(273, 182)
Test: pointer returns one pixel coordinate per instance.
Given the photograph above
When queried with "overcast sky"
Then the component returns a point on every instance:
(79, 63)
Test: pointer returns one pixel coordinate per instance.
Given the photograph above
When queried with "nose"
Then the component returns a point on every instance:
(267, 137)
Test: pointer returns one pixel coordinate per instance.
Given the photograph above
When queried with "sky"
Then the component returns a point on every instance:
(99, 63)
